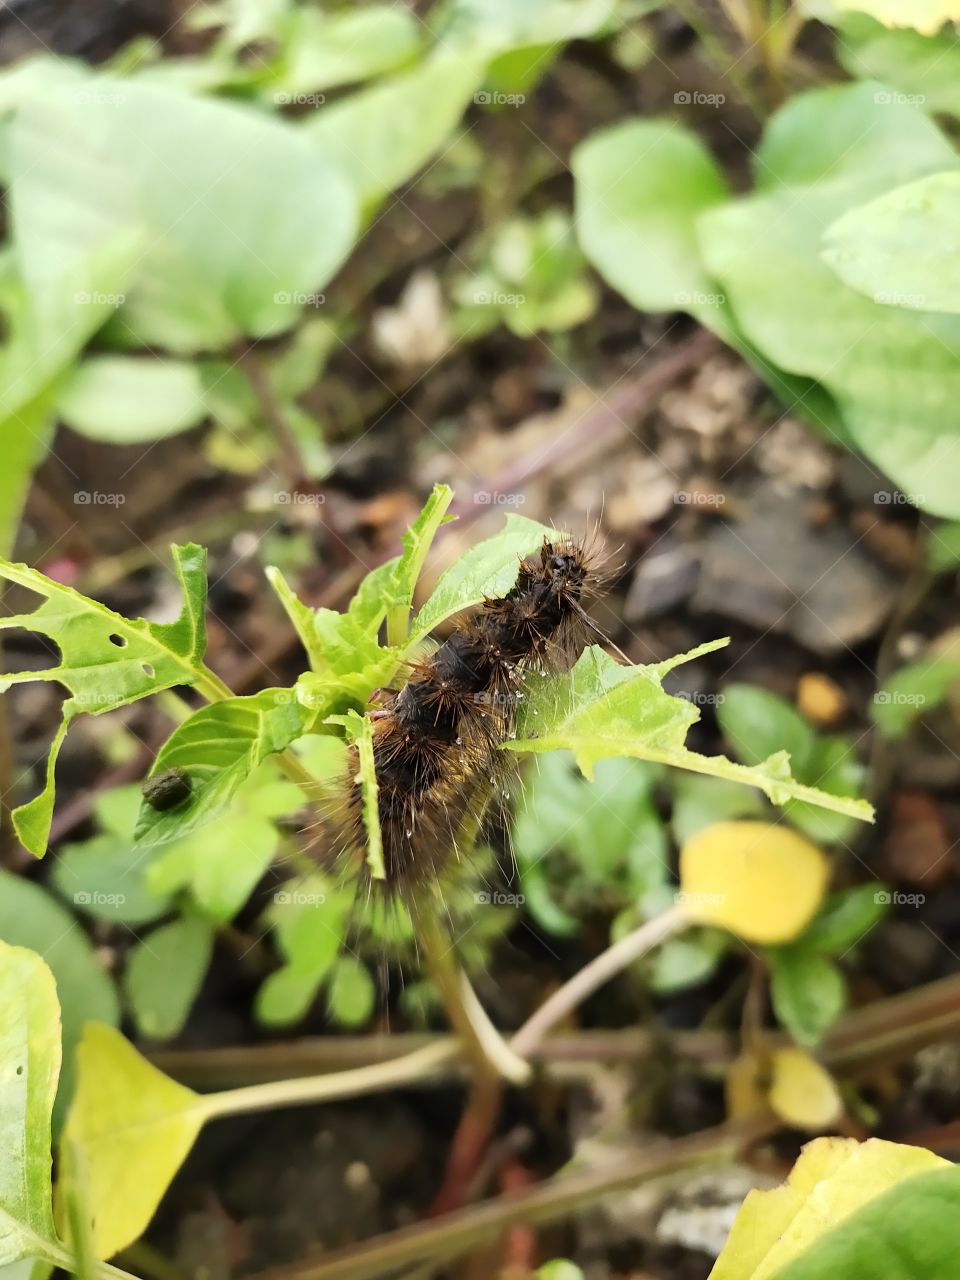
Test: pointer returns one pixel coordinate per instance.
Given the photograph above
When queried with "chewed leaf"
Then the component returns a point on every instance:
(218, 748)
(602, 709)
(833, 1178)
(106, 660)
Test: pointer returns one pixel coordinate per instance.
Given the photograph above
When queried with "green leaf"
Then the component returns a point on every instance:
(325, 51)
(29, 1067)
(131, 399)
(30, 917)
(808, 991)
(846, 918)
(134, 1128)
(218, 747)
(912, 1230)
(381, 137)
(912, 691)
(399, 586)
(943, 550)
(895, 374)
(489, 569)
(641, 189)
(351, 993)
(699, 802)
(360, 733)
(602, 709)
(831, 1181)
(286, 996)
(164, 974)
(180, 169)
(106, 660)
(925, 69)
(891, 249)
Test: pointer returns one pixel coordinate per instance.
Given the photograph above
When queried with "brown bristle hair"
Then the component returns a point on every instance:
(435, 741)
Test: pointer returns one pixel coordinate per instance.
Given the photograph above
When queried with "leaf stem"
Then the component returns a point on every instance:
(592, 976)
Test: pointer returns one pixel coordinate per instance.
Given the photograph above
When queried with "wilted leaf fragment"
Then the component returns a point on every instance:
(833, 1178)
(761, 881)
(134, 1127)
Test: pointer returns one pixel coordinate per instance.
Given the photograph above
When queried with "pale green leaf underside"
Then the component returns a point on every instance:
(602, 710)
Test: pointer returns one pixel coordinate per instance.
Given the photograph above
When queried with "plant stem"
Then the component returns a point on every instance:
(603, 967)
(323, 1088)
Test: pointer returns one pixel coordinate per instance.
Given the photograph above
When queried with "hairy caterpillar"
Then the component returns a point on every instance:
(435, 740)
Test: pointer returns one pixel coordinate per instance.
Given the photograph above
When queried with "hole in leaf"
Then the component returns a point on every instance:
(147, 669)
(119, 641)
(20, 1069)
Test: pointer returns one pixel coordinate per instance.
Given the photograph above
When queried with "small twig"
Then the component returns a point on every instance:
(251, 363)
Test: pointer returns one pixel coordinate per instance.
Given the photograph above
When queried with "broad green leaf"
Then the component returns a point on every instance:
(760, 880)
(602, 709)
(912, 691)
(382, 136)
(351, 993)
(891, 248)
(325, 51)
(926, 16)
(504, 25)
(924, 69)
(106, 660)
(641, 188)
(808, 992)
(846, 918)
(911, 1231)
(164, 973)
(131, 399)
(29, 1068)
(894, 373)
(31, 917)
(218, 747)
(833, 1178)
(134, 1127)
(26, 435)
(285, 996)
(488, 570)
(310, 919)
(181, 169)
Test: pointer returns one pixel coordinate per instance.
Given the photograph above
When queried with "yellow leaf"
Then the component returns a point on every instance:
(802, 1092)
(761, 881)
(832, 1179)
(133, 1127)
